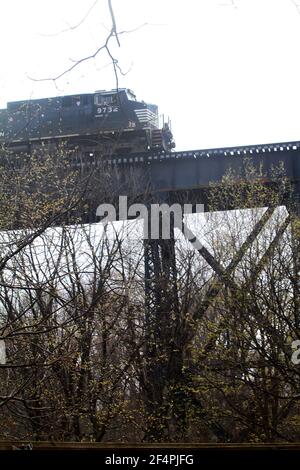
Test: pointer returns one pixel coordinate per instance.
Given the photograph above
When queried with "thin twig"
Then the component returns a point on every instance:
(296, 5)
(71, 28)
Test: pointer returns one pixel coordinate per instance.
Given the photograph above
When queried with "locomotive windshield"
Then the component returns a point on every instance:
(131, 96)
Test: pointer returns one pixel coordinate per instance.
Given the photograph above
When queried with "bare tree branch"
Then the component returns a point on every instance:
(114, 27)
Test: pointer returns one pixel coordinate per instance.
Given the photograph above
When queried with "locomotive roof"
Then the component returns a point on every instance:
(49, 100)
(12, 104)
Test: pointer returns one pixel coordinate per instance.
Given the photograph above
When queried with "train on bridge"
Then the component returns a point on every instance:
(109, 122)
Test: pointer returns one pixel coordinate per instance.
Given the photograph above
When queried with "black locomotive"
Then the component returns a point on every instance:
(112, 122)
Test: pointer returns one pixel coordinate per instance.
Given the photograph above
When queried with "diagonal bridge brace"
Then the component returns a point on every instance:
(224, 274)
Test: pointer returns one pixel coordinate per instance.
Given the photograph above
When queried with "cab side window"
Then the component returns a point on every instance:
(105, 100)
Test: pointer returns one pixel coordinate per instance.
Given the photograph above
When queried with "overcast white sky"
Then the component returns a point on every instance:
(227, 73)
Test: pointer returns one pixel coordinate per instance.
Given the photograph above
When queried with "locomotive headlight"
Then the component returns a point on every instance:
(131, 124)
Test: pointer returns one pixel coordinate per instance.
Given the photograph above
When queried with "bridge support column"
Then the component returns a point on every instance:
(163, 357)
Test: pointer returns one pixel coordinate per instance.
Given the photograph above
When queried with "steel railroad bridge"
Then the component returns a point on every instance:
(189, 174)
(186, 177)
